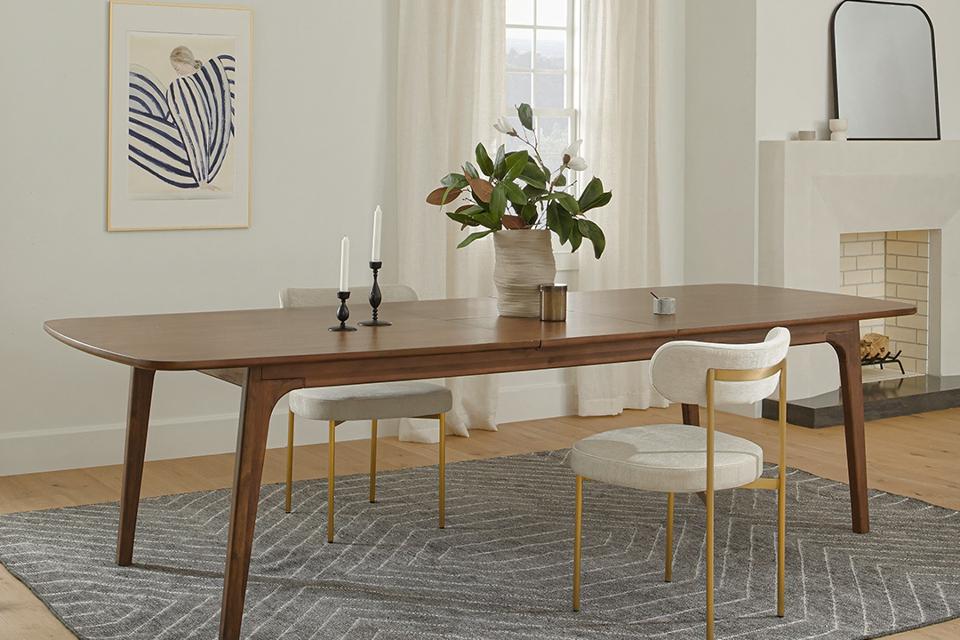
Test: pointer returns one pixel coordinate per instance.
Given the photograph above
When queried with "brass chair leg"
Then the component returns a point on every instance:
(711, 425)
(331, 447)
(373, 460)
(288, 502)
(781, 543)
(577, 540)
(668, 543)
(782, 498)
(710, 563)
(442, 506)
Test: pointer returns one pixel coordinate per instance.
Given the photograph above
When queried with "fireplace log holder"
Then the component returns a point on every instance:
(887, 358)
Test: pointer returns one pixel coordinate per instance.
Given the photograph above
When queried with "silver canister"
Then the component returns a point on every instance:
(553, 302)
(664, 306)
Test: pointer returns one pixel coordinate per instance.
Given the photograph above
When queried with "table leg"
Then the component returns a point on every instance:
(259, 398)
(138, 417)
(847, 346)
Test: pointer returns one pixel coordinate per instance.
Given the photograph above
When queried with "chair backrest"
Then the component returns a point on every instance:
(296, 298)
(678, 370)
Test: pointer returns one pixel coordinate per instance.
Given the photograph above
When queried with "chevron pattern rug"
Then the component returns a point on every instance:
(501, 568)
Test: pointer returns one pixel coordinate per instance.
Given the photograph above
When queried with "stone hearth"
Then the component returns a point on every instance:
(882, 399)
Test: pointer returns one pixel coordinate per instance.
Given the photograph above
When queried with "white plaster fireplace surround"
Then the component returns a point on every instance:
(811, 192)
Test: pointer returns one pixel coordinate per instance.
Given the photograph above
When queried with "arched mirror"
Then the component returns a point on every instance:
(885, 71)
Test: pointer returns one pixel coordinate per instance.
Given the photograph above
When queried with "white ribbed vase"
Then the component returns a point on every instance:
(524, 262)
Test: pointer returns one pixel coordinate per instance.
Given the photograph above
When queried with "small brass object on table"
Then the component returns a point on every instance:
(553, 302)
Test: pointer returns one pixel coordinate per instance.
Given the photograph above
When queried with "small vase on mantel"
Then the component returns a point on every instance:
(524, 261)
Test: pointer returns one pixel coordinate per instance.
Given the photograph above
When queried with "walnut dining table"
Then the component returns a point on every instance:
(269, 352)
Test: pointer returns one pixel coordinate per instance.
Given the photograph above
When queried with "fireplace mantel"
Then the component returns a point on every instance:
(811, 192)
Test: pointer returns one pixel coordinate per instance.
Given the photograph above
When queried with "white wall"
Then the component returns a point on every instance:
(721, 149)
(322, 87)
(794, 70)
(671, 134)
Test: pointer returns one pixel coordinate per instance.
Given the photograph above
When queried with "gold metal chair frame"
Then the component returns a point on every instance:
(779, 484)
(331, 460)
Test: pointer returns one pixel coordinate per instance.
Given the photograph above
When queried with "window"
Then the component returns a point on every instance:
(540, 71)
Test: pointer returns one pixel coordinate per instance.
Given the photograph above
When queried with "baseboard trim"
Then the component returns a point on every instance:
(98, 445)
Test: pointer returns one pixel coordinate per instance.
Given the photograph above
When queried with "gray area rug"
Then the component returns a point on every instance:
(501, 568)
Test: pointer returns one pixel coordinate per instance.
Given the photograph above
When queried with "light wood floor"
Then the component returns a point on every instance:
(914, 456)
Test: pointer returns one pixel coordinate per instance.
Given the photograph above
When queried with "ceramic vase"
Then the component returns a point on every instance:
(524, 261)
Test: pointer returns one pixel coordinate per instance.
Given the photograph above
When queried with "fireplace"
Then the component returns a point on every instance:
(893, 265)
(872, 218)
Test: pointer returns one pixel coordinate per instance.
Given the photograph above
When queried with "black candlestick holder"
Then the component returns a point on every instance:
(343, 313)
(375, 299)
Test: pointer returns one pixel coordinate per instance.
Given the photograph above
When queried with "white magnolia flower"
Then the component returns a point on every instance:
(504, 127)
(572, 159)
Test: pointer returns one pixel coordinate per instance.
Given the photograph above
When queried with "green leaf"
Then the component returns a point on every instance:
(590, 193)
(575, 238)
(489, 220)
(463, 219)
(568, 202)
(471, 170)
(593, 196)
(514, 193)
(533, 170)
(601, 201)
(483, 160)
(533, 176)
(476, 235)
(468, 215)
(553, 219)
(529, 213)
(533, 192)
(560, 180)
(591, 230)
(498, 200)
(455, 180)
(499, 168)
(525, 113)
(516, 164)
(567, 223)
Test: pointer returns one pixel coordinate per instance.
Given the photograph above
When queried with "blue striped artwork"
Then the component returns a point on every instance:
(180, 134)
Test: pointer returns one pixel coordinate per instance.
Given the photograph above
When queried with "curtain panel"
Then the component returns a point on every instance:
(450, 83)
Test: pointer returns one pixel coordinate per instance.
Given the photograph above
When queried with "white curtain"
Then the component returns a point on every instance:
(450, 83)
(619, 44)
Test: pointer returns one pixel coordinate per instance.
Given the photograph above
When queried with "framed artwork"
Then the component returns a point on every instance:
(178, 116)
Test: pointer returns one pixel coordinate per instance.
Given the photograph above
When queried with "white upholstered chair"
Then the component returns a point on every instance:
(677, 458)
(371, 402)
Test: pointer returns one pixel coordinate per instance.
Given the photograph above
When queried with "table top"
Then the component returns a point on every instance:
(254, 337)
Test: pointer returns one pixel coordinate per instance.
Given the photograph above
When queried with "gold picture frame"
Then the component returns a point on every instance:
(181, 156)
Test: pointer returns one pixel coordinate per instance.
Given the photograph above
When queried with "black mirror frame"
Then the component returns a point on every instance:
(933, 52)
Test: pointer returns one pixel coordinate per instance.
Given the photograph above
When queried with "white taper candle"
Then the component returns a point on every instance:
(377, 223)
(345, 264)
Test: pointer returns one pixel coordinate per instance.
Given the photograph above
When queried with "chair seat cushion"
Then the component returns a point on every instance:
(368, 401)
(666, 457)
